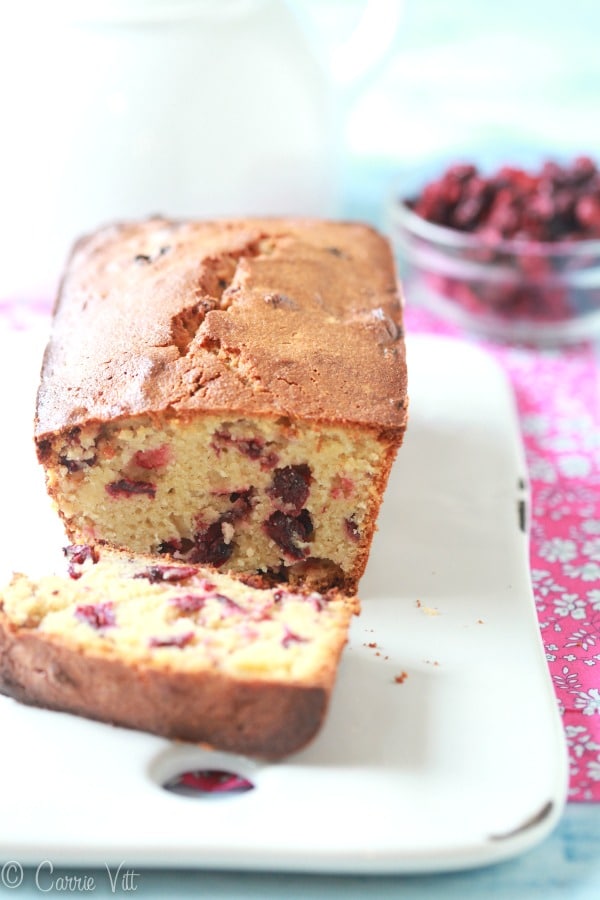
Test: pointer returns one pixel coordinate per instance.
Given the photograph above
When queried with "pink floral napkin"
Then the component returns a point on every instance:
(558, 399)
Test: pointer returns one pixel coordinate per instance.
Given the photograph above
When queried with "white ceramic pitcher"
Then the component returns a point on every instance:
(116, 109)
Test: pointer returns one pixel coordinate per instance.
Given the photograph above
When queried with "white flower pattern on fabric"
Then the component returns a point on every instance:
(593, 769)
(575, 466)
(591, 549)
(580, 740)
(588, 702)
(542, 470)
(544, 582)
(567, 681)
(558, 550)
(587, 572)
(535, 424)
(582, 638)
(570, 605)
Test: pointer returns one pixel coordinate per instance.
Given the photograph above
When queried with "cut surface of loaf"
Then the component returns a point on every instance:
(228, 393)
(177, 650)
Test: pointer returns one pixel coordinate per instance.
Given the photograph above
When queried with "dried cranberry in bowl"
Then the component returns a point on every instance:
(512, 253)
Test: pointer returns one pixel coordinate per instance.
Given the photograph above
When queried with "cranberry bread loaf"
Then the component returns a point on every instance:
(226, 393)
(174, 649)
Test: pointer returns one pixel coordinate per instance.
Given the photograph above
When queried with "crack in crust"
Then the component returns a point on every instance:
(230, 358)
(185, 324)
(217, 287)
(264, 315)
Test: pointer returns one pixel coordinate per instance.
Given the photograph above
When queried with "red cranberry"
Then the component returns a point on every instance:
(583, 169)
(156, 574)
(208, 781)
(588, 212)
(77, 465)
(188, 603)
(342, 486)
(208, 586)
(291, 485)
(461, 172)
(210, 547)
(98, 615)
(269, 461)
(251, 447)
(317, 601)
(125, 487)
(287, 531)
(290, 637)
(241, 506)
(432, 204)
(553, 204)
(352, 528)
(472, 205)
(78, 555)
(178, 547)
(176, 640)
(305, 524)
(153, 459)
(520, 181)
(504, 217)
(228, 606)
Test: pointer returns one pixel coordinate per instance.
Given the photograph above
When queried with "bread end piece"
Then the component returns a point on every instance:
(178, 651)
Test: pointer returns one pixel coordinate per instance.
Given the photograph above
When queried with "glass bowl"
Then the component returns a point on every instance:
(521, 291)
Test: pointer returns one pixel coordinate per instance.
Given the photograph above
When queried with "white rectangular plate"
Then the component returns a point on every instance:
(442, 748)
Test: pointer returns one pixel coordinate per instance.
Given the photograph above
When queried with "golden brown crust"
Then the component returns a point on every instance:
(257, 718)
(297, 318)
